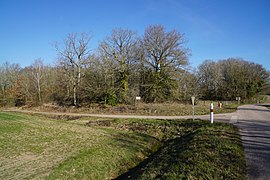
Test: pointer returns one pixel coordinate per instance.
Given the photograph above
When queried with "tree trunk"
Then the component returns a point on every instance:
(39, 91)
(123, 83)
(74, 94)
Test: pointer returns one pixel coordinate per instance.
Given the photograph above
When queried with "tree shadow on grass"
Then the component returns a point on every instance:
(160, 162)
(202, 153)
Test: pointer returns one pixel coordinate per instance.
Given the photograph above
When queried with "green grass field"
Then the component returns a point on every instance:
(38, 147)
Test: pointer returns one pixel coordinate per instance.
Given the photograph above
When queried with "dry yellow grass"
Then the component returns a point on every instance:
(160, 109)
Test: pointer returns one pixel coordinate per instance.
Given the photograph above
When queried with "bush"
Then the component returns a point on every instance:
(110, 98)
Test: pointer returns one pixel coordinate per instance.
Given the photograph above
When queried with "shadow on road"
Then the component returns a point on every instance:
(256, 141)
(251, 109)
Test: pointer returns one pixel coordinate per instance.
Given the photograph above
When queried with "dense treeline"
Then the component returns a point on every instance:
(153, 66)
(230, 78)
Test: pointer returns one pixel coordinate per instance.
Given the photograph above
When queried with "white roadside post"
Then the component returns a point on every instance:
(238, 99)
(193, 102)
(211, 113)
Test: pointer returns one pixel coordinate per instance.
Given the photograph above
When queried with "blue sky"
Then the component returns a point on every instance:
(215, 29)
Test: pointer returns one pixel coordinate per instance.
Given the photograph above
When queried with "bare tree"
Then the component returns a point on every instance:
(5, 80)
(209, 78)
(163, 55)
(37, 71)
(187, 85)
(8, 76)
(72, 57)
(232, 77)
(164, 50)
(120, 48)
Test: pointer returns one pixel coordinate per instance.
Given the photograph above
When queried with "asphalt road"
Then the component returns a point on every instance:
(254, 124)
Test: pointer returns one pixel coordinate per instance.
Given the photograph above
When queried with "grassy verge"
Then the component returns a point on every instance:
(88, 148)
(191, 150)
(203, 154)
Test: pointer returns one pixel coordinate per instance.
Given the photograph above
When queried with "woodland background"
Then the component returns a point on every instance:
(154, 66)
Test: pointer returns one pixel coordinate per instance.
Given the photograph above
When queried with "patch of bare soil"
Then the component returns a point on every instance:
(121, 126)
(63, 117)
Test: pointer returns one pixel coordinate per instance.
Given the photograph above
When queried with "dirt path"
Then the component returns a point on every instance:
(219, 117)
